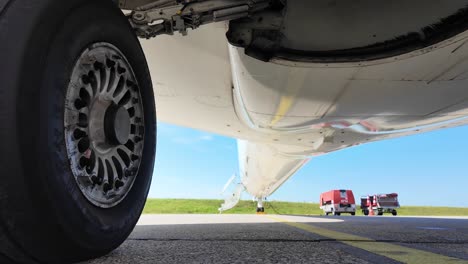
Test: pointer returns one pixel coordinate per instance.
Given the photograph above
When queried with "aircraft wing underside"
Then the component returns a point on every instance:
(285, 112)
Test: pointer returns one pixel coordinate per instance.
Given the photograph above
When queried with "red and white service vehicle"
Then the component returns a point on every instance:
(380, 203)
(338, 201)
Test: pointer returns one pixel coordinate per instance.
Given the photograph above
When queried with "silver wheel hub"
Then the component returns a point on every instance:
(104, 125)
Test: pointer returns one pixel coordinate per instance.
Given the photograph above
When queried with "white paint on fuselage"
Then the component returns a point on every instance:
(286, 111)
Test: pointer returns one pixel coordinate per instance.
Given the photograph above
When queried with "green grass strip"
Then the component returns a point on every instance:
(199, 206)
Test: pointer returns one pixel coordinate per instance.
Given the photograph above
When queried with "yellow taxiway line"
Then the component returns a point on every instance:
(389, 250)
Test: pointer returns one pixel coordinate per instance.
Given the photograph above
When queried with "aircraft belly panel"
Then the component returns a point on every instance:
(192, 80)
(401, 93)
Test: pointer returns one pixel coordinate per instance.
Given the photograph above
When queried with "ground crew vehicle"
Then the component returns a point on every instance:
(338, 201)
(380, 203)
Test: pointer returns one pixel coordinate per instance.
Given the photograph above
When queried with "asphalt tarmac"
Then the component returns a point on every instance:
(293, 239)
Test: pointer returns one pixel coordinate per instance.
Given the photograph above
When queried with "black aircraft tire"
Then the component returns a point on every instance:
(44, 216)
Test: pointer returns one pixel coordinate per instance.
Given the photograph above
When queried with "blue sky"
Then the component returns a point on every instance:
(425, 169)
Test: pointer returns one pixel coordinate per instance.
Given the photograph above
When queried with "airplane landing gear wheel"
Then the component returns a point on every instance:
(104, 124)
(77, 117)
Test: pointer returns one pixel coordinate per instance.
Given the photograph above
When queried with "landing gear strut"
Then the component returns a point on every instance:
(260, 208)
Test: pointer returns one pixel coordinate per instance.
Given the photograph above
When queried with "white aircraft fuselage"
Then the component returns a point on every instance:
(284, 111)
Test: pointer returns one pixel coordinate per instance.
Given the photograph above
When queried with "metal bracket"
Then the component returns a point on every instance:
(169, 16)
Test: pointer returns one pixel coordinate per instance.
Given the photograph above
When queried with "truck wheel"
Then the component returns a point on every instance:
(353, 213)
(379, 213)
(365, 212)
(77, 130)
(394, 212)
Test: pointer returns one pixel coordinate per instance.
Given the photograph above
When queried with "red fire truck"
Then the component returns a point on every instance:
(338, 201)
(380, 203)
